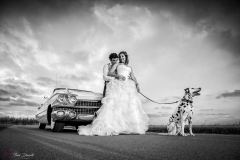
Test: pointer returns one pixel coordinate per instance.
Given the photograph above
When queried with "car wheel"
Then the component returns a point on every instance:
(52, 123)
(56, 126)
(41, 125)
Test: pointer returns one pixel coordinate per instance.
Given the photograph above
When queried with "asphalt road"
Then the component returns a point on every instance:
(29, 142)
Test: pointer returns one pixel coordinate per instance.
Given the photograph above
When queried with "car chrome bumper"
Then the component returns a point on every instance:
(85, 117)
(71, 116)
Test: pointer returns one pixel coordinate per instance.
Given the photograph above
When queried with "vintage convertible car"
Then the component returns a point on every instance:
(68, 107)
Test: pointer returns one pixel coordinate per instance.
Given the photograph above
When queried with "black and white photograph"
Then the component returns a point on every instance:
(119, 79)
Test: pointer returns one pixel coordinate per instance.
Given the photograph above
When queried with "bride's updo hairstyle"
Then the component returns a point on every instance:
(126, 57)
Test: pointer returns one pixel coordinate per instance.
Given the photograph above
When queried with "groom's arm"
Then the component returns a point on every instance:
(112, 72)
(105, 74)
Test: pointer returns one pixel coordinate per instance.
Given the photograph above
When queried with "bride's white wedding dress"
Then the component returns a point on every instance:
(121, 111)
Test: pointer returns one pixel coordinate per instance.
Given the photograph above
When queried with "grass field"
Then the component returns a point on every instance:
(4, 126)
(215, 129)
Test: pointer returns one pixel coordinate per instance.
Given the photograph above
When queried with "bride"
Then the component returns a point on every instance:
(121, 111)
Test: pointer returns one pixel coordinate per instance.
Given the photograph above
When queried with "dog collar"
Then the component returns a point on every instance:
(188, 101)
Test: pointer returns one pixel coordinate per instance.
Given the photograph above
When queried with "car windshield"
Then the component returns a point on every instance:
(67, 90)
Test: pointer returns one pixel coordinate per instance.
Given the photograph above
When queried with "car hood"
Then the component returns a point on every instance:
(89, 95)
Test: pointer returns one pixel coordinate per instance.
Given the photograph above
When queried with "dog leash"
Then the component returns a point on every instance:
(155, 101)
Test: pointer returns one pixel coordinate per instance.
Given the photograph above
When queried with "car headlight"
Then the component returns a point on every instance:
(61, 98)
(67, 99)
(72, 114)
(72, 99)
(60, 113)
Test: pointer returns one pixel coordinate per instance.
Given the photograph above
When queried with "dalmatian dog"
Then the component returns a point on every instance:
(183, 113)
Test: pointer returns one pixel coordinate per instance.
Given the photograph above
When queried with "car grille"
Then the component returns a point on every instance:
(80, 103)
(78, 110)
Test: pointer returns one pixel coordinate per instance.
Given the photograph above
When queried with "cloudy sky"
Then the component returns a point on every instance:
(171, 44)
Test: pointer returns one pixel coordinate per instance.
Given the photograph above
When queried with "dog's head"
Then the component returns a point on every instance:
(191, 92)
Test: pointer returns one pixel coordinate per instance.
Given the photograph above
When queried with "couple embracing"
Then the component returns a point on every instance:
(121, 111)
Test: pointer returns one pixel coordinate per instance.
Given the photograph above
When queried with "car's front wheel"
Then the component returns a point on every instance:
(41, 125)
(56, 126)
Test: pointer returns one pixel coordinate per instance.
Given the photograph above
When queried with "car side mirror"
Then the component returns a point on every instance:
(45, 97)
(40, 106)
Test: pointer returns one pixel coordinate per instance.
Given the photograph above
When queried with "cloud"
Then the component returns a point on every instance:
(22, 102)
(17, 88)
(166, 107)
(235, 93)
(144, 101)
(123, 20)
(230, 117)
(20, 95)
(31, 104)
(220, 114)
(206, 109)
(171, 98)
(13, 93)
(203, 15)
(22, 55)
(8, 62)
(165, 115)
(45, 81)
(159, 115)
(17, 49)
(4, 99)
(17, 81)
(28, 112)
(70, 58)
(77, 78)
(10, 86)
(213, 114)
(153, 115)
(16, 104)
(3, 92)
(225, 40)
(2, 114)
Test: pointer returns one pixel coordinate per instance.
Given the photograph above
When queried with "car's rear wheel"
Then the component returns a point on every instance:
(41, 125)
(56, 126)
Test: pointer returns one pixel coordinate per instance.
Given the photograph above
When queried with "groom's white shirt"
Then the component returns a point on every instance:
(106, 69)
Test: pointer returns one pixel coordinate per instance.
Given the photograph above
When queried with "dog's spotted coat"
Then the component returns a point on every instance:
(183, 113)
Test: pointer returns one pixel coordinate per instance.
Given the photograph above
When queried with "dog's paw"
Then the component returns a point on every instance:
(183, 134)
(191, 134)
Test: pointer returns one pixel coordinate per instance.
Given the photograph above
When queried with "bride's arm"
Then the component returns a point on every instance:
(135, 80)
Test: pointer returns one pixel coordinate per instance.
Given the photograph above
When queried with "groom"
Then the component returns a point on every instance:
(113, 57)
